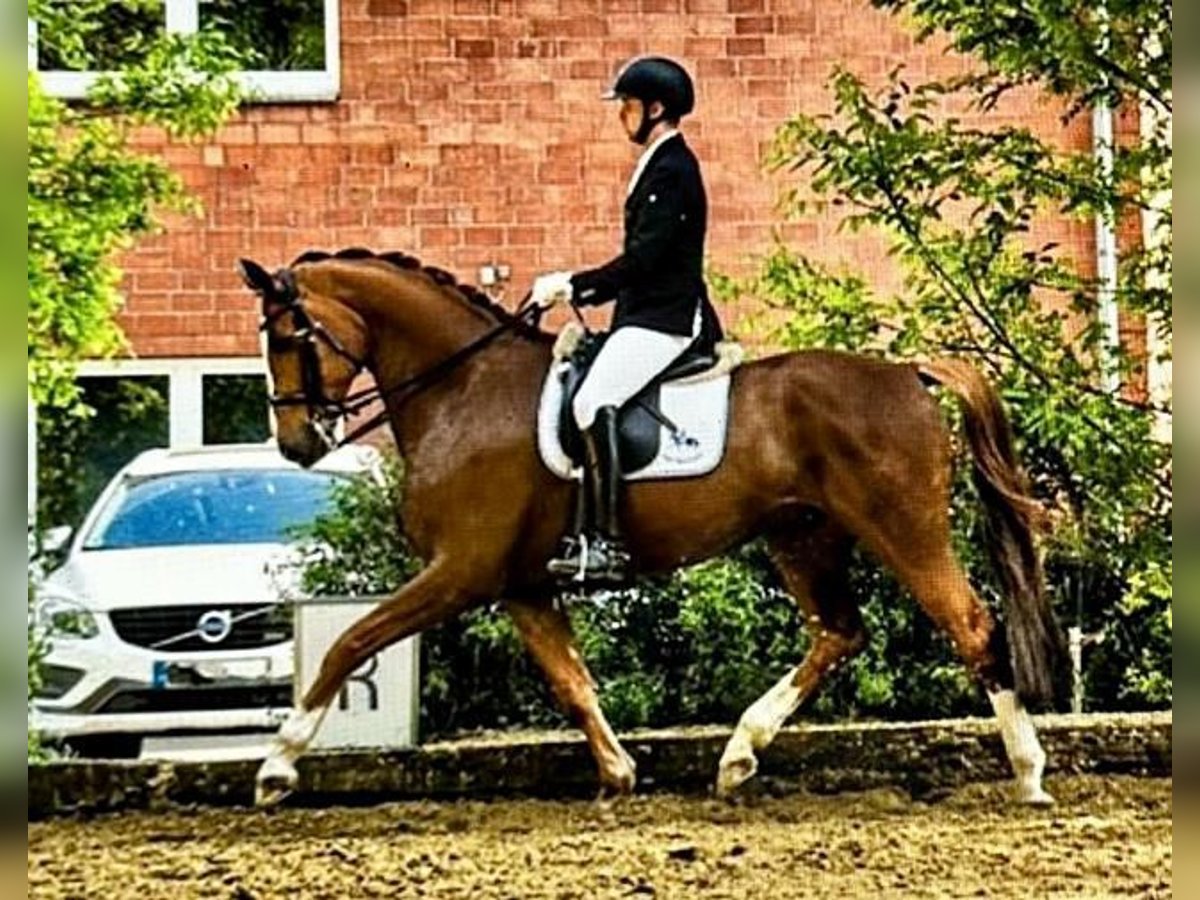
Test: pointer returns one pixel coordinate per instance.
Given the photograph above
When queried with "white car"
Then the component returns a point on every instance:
(165, 617)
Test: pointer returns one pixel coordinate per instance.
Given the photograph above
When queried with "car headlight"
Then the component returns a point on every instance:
(59, 617)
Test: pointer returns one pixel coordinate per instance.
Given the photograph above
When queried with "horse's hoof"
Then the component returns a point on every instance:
(277, 778)
(1033, 796)
(735, 771)
(619, 783)
(271, 793)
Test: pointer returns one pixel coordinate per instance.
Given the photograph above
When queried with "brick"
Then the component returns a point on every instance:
(474, 49)
(703, 46)
(802, 23)
(320, 134)
(237, 134)
(714, 68)
(530, 49)
(745, 46)
(279, 134)
(572, 27)
(146, 302)
(387, 8)
(443, 70)
(433, 237)
(469, 155)
(387, 216)
(591, 69)
(752, 67)
(192, 302)
(524, 235)
(156, 280)
(429, 215)
(483, 236)
(767, 88)
(373, 155)
(754, 25)
(560, 173)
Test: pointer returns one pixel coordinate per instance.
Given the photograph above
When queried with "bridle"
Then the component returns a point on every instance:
(324, 412)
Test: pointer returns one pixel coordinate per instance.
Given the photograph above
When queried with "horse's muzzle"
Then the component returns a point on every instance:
(313, 442)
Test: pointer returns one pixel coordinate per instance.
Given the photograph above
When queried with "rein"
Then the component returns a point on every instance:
(422, 380)
(308, 332)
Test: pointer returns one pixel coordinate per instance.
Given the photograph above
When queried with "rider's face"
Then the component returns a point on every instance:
(631, 115)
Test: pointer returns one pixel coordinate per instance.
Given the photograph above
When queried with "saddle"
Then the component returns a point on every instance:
(640, 422)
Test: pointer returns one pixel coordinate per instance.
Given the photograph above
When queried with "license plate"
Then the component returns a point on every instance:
(199, 672)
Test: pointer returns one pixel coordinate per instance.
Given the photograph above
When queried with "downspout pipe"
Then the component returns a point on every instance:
(1103, 143)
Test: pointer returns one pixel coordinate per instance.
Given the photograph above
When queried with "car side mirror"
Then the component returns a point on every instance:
(56, 539)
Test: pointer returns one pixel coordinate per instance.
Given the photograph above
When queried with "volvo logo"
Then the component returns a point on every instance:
(214, 626)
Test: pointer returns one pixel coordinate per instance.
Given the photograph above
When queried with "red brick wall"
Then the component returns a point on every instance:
(469, 131)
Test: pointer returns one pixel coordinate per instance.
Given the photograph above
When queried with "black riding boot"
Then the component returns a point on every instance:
(598, 553)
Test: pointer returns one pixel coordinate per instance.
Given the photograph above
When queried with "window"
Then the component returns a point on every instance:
(142, 403)
(78, 456)
(293, 44)
(229, 506)
(235, 409)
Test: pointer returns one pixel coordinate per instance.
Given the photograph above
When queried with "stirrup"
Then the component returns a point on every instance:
(605, 561)
(591, 561)
(571, 561)
(616, 567)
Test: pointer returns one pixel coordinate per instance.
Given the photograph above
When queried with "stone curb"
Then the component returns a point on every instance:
(921, 757)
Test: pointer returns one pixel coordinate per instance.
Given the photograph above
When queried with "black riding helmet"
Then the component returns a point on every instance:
(651, 79)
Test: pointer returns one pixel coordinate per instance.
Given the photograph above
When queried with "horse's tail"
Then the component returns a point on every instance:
(1035, 640)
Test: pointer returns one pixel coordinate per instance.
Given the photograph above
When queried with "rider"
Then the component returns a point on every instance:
(662, 306)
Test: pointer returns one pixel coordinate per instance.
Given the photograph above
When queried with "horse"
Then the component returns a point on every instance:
(826, 450)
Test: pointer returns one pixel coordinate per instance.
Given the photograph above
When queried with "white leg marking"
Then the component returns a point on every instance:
(755, 730)
(277, 776)
(1021, 743)
(619, 765)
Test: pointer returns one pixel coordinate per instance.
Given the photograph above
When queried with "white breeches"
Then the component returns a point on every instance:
(628, 361)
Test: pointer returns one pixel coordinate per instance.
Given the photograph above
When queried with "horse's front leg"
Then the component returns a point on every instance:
(433, 596)
(547, 634)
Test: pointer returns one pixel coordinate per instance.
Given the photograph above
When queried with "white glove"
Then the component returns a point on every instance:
(551, 288)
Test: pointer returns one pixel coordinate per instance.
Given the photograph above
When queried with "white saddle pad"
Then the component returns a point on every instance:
(699, 406)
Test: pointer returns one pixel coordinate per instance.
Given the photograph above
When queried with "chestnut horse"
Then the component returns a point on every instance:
(825, 450)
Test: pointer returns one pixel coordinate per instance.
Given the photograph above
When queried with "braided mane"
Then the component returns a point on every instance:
(439, 277)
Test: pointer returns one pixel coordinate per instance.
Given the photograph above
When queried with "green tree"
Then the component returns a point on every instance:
(90, 196)
(955, 196)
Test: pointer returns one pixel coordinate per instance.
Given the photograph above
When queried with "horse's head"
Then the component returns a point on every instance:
(314, 347)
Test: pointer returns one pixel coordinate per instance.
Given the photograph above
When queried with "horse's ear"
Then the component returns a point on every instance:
(257, 278)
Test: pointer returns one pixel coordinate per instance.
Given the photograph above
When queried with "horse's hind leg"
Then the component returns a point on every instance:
(434, 595)
(941, 587)
(814, 569)
(547, 634)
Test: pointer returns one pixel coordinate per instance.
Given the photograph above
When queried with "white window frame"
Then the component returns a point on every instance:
(185, 385)
(183, 17)
(185, 398)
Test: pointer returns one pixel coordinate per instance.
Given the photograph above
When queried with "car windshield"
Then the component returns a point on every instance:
(249, 506)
